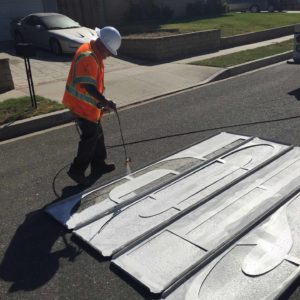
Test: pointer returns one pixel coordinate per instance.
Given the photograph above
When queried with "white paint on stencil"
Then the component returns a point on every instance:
(272, 247)
(192, 184)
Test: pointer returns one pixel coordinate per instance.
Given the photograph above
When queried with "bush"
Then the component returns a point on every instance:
(195, 9)
(215, 7)
(166, 12)
(134, 12)
(147, 10)
(206, 8)
(151, 11)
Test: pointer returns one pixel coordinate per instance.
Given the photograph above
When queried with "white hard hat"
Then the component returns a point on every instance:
(110, 37)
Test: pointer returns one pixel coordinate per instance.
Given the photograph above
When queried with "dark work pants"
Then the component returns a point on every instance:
(91, 148)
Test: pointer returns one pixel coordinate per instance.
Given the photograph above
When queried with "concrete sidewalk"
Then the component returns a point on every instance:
(126, 82)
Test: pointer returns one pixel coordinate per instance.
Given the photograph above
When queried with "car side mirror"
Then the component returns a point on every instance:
(40, 27)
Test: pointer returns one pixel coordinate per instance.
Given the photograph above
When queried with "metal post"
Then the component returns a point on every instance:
(30, 82)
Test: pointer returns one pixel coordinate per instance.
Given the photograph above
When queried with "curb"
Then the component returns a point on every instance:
(250, 66)
(30, 125)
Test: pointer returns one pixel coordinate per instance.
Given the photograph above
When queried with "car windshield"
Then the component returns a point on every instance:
(59, 22)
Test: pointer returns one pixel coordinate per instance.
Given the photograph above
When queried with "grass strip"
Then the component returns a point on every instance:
(237, 23)
(20, 108)
(229, 24)
(241, 57)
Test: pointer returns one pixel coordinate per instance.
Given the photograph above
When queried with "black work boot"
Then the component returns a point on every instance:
(103, 168)
(78, 176)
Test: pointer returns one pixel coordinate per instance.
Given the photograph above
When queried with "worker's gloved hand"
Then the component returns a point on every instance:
(112, 105)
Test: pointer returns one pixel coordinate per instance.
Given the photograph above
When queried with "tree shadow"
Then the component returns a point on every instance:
(41, 54)
(146, 26)
(45, 55)
(295, 93)
(197, 18)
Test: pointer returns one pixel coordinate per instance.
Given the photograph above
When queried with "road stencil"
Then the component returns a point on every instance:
(172, 223)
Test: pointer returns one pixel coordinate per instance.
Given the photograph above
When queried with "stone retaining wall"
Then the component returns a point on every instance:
(196, 43)
(254, 37)
(171, 47)
(6, 81)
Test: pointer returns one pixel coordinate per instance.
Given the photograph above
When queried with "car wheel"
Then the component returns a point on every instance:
(18, 37)
(271, 8)
(55, 47)
(254, 8)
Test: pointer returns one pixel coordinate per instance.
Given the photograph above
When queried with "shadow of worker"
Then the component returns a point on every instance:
(32, 259)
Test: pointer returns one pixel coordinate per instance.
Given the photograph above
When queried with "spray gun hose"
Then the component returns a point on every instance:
(126, 157)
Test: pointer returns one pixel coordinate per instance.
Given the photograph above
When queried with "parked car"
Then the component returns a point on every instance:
(53, 31)
(256, 5)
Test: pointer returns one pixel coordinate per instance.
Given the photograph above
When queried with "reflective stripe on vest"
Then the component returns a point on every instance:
(84, 97)
(84, 79)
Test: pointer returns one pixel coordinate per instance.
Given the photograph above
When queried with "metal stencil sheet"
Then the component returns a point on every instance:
(204, 230)
(111, 234)
(82, 209)
(260, 265)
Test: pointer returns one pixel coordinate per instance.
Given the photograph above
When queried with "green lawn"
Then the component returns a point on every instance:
(20, 108)
(230, 24)
(237, 58)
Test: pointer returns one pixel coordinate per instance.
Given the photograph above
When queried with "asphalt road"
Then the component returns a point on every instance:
(40, 260)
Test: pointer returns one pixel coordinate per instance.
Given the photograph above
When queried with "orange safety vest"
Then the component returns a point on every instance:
(87, 67)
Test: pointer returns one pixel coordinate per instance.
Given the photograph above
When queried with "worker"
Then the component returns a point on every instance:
(84, 96)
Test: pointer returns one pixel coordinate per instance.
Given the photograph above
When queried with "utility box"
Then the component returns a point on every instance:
(6, 80)
(296, 54)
